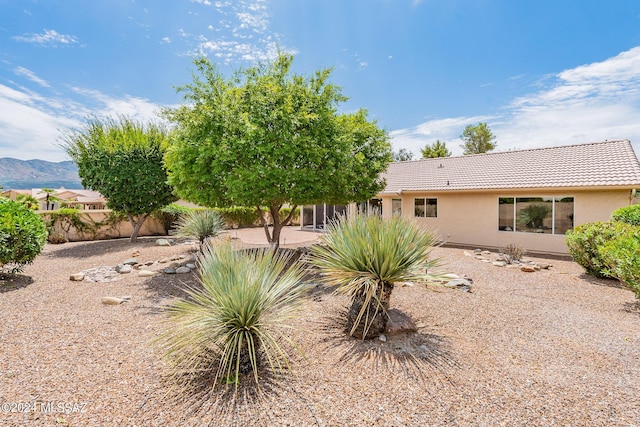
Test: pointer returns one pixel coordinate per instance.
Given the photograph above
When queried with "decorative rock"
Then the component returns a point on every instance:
(480, 257)
(192, 259)
(170, 270)
(450, 276)
(182, 270)
(130, 261)
(77, 277)
(399, 323)
(462, 284)
(146, 273)
(477, 251)
(175, 257)
(485, 253)
(485, 260)
(382, 338)
(191, 266)
(467, 253)
(164, 260)
(163, 242)
(536, 267)
(527, 269)
(499, 263)
(124, 268)
(112, 300)
(545, 266)
(135, 254)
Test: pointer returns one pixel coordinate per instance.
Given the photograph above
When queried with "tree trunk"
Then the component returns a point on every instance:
(136, 226)
(373, 322)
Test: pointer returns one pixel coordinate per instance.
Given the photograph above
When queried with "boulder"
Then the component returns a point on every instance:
(191, 266)
(146, 273)
(399, 323)
(462, 284)
(163, 242)
(112, 300)
(183, 270)
(124, 268)
(499, 263)
(130, 261)
(170, 270)
(77, 277)
(527, 269)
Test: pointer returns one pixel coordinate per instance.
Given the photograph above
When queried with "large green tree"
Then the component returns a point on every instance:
(438, 149)
(123, 160)
(478, 139)
(268, 138)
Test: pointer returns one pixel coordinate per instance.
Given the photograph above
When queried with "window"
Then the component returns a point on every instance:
(426, 208)
(544, 215)
(396, 207)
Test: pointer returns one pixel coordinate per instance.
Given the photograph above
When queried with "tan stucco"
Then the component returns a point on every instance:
(471, 218)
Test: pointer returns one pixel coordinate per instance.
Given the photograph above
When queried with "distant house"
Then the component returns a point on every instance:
(528, 197)
(80, 199)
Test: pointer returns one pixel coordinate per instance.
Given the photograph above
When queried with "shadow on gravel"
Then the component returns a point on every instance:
(418, 355)
(97, 247)
(632, 307)
(611, 283)
(10, 283)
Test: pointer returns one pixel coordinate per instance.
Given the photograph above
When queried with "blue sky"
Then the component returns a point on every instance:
(540, 73)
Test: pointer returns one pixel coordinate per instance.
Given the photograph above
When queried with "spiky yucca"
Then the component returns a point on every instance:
(238, 320)
(201, 224)
(365, 256)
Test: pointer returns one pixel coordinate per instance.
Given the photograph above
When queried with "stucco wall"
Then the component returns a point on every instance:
(472, 218)
(151, 227)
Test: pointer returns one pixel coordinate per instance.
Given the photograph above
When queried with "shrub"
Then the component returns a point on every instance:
(584, 243)
(365, 256)
(239, 216)
(201, 224)
(622, 256)
(240, 317)
(629, 215)
(170, 214)
(22, 236)
(513, 252)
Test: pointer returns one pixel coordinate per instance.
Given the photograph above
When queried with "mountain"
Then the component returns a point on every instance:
(26, 174)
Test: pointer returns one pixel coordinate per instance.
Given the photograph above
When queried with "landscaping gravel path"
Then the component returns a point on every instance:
(553, 347)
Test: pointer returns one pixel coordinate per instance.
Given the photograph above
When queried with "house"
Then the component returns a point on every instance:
(52, 200)
(529, 198)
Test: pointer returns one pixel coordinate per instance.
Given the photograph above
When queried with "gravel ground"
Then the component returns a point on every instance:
(554, 347)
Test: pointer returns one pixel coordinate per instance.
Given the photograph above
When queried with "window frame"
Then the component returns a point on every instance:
(553, 199)
(425, 205)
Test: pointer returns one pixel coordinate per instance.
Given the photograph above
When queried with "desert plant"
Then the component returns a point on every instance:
(534, 215)
(622, 258)
(201, 224)
(239, 319)
(513, 252)
(628, 214)
(22, 236)
(365, 256)
(584, 243)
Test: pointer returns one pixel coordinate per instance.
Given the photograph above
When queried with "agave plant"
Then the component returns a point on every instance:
(201, 224)
(365, 256)
(238, 319)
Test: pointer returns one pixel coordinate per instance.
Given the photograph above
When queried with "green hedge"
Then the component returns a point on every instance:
(622, 257)
(22, 236)
(584, 243)
(629, 215)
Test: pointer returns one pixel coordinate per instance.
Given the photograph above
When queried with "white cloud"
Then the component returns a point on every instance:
(21, 71)
(249, 38)
(34, 123)
(589, 103)
(165, 40)
(50, 38)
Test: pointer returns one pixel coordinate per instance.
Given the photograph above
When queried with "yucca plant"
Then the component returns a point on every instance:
(365, 256)
(238, 319)
(201, 224)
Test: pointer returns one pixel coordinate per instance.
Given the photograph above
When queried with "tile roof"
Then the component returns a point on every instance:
(601, 164)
